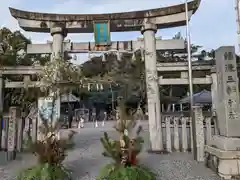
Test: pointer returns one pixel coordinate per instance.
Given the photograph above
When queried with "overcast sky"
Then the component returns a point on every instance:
(213, 25)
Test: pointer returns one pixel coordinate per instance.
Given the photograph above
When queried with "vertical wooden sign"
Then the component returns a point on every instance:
(12, 132)
(19, 133)
(102, 33)
(4, 133)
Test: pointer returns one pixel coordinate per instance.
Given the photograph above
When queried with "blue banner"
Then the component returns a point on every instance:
(102, 33)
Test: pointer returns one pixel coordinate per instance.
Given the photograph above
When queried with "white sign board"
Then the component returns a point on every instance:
(12, 123)
(48, 110)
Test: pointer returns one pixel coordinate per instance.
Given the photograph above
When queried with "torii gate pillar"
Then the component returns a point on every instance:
(154, 115)
(58, 34)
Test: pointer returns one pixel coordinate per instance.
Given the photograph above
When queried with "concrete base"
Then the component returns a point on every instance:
(225, 163)
(225, 143)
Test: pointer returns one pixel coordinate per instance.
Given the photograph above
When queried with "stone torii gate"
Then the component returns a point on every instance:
(147, 21)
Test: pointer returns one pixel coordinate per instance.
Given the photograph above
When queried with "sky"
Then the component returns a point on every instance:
(213, 25)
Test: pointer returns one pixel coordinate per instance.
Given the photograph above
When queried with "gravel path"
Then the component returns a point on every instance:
(86, 160)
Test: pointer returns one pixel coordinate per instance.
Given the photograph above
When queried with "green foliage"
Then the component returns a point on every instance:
(46, 172)
(50, 151)
(124, 151)
(13, 49)
(130, 75)
(94, 67)
(113, 172)
(112, 148)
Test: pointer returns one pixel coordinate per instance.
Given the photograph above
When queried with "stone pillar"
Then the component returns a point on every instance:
(163, 109)
(226, 146)
(198, 116)
(26, 130)
(228, 92)
(181, 107)
(153, 95)
(173, 108)
(214, 91)
(20, 132)
(1, 108)
(58, 34)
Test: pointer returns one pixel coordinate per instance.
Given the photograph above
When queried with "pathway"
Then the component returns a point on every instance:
(86, 160)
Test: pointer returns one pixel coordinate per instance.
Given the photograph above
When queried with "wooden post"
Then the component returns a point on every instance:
(19, 133)
(34, 130)
(29, 127)
(26, 130)
(1, 107)
(12, 132)
(5, 134)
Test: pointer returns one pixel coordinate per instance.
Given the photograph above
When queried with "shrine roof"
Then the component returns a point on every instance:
(158, 12)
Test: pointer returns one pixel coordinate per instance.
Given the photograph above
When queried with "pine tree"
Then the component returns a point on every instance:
(125, 150)
(51, 150)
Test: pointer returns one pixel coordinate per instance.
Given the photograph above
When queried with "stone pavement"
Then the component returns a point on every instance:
(86, 160)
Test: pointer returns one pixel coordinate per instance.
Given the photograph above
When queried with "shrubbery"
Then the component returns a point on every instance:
(50, 151)
(124, 152)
